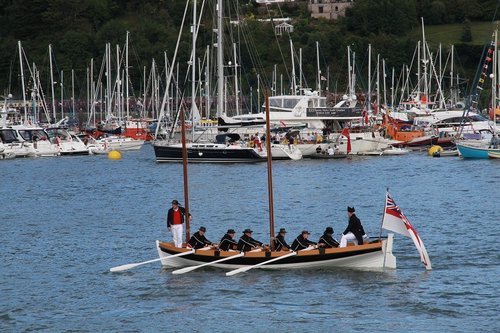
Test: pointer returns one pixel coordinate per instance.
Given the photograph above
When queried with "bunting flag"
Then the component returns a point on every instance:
(394, 220)
(345, 132)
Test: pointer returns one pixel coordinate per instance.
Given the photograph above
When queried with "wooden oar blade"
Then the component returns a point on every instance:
(247, 268)
(122, 268)
(192, 268)
(239, 270)
(130, 266)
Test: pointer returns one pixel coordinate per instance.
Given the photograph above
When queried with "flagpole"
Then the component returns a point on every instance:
(383, 214)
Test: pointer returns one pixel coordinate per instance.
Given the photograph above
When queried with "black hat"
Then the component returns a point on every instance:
(350, 209)
(282, 230)
(230, 231)
(202, 229)
(247, 231)
(305, 232)
(175, 202)
(329, 230)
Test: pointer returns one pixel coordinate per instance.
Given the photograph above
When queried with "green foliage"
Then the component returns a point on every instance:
(79, 29)
(466, 33)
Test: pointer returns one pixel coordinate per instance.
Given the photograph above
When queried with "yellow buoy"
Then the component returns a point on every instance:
(114, 155)
(435, 150)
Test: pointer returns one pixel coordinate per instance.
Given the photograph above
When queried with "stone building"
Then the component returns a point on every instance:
(329, 9)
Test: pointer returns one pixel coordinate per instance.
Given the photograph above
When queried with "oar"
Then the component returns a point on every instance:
(129, 266)
(247, 268)
(192, 268)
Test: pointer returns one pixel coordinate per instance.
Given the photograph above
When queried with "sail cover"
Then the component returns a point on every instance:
(395, 220)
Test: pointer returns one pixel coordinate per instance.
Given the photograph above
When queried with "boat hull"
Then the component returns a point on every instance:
(472, 151)
(493, 154)
(373, 255)
(326, 156)
(173, 153)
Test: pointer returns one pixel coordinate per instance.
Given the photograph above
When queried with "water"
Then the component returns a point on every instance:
(66, 221)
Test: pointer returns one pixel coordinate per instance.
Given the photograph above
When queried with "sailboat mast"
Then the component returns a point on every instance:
(22, 81)
(220, 61)
(126, 77)
(52, 83)
(193, 69)
(185, 175)
(269, 173)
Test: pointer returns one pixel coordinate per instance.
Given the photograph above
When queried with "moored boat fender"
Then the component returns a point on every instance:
(435, 151)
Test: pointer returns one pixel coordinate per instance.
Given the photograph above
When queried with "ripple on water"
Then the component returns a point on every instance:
(71, 219)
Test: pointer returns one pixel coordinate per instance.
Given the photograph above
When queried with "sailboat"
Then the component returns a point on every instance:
(373, 255)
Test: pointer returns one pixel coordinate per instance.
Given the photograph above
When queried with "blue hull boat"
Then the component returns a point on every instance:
(473, 151)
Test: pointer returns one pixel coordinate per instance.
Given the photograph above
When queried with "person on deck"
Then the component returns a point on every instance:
(301, 242)
(280, 243)
(331, 151)
(247, 243)
(327, 240)
(257, 142)
(290, 140)
(175, 222)
(198, 240)
(227, 243)
(354, 231)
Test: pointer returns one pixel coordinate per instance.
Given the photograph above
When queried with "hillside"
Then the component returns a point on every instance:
(79, 30)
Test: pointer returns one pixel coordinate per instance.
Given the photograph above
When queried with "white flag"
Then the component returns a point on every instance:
(395, 220)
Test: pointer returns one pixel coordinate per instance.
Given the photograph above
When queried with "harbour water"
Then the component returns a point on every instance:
(66, 221)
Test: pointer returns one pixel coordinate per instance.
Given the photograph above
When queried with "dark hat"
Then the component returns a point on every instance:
(350, 209)
(175, 202)
(230, 231)
(305, 232)
(329, 230)
(247, 231)
(202, 229)
(282, 230)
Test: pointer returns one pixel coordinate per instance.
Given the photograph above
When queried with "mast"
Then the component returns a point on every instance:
(207, 83)
(319, 70)
(126, 76)
(52, 83)
(193, 69)
(73, 91)
(185, 175)
(369, 97)
(349, 69)
(494, 81)
(294, 82)
(22, 81)
(220, 61)
(269, 173)
(62, 95)
(424, 61)
(236, 88)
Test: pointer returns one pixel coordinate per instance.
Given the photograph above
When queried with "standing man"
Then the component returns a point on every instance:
(175, 221)
(354, 231)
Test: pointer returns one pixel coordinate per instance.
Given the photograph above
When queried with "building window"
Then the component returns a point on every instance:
(336, 8)
(320, 9)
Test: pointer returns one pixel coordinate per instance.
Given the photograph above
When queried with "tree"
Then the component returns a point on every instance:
(466, 32)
